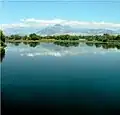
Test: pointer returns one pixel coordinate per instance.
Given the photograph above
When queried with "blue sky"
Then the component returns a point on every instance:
(12, 12)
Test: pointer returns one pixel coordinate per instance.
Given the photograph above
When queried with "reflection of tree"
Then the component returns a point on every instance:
(2, 54)
(89, 44)
(118, 46)
(105, 45)
(25, 43)
(98, 45)
(33, 44)
(66, 44)
(16, 43)
(109, 45)
(75, 44)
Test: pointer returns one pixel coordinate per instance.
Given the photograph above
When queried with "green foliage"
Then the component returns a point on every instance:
(2, 50)
(93, 38)
(2, 39)
(90, 39)
(34, 37)
(2, 44)
(2, 53)
(15, 37)
(25, 37)
(117, 38)
(2, 36)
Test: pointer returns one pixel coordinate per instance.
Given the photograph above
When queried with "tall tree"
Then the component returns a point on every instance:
(2, 36)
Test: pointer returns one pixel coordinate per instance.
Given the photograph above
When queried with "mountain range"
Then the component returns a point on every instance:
(59, 29)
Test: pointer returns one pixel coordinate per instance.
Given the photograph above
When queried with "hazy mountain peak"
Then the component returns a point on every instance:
(58, 25)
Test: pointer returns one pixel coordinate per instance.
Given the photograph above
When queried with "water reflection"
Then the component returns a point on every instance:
(76, 83)
(51, 49)
(34, 44)
(67, 44)
(73, 43)
(31, 44)
(15, 43)
(105, 45)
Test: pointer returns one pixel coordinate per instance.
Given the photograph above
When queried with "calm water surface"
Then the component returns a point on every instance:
(65, 80)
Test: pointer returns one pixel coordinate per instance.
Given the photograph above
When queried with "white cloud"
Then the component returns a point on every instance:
(43, 23)
(70, 53)
(56, 54)
(15, 25)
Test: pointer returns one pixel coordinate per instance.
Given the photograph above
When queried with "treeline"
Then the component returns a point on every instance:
(101, 38)
(38, 37)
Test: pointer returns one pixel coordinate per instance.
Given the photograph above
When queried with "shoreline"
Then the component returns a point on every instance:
(53, 40)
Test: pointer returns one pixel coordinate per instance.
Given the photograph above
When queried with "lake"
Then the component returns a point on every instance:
(69, 79)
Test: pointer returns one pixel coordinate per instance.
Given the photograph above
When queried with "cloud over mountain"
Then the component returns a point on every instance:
(38, 23)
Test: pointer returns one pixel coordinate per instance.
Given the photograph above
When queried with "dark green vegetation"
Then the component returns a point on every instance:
(95, 38)
(2, 45)
(2, 53)
(2, 39)
(2, 36)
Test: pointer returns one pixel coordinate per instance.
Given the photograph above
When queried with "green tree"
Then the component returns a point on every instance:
(34, 36)
(25, 37)
(17, 37)
(117, 37)
(2, 36)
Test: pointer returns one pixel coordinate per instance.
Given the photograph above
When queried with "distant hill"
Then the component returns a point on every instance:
(56, 29)
(21, 31)
(59, 29)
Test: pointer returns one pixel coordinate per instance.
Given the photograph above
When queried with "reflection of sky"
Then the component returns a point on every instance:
(49, 49)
